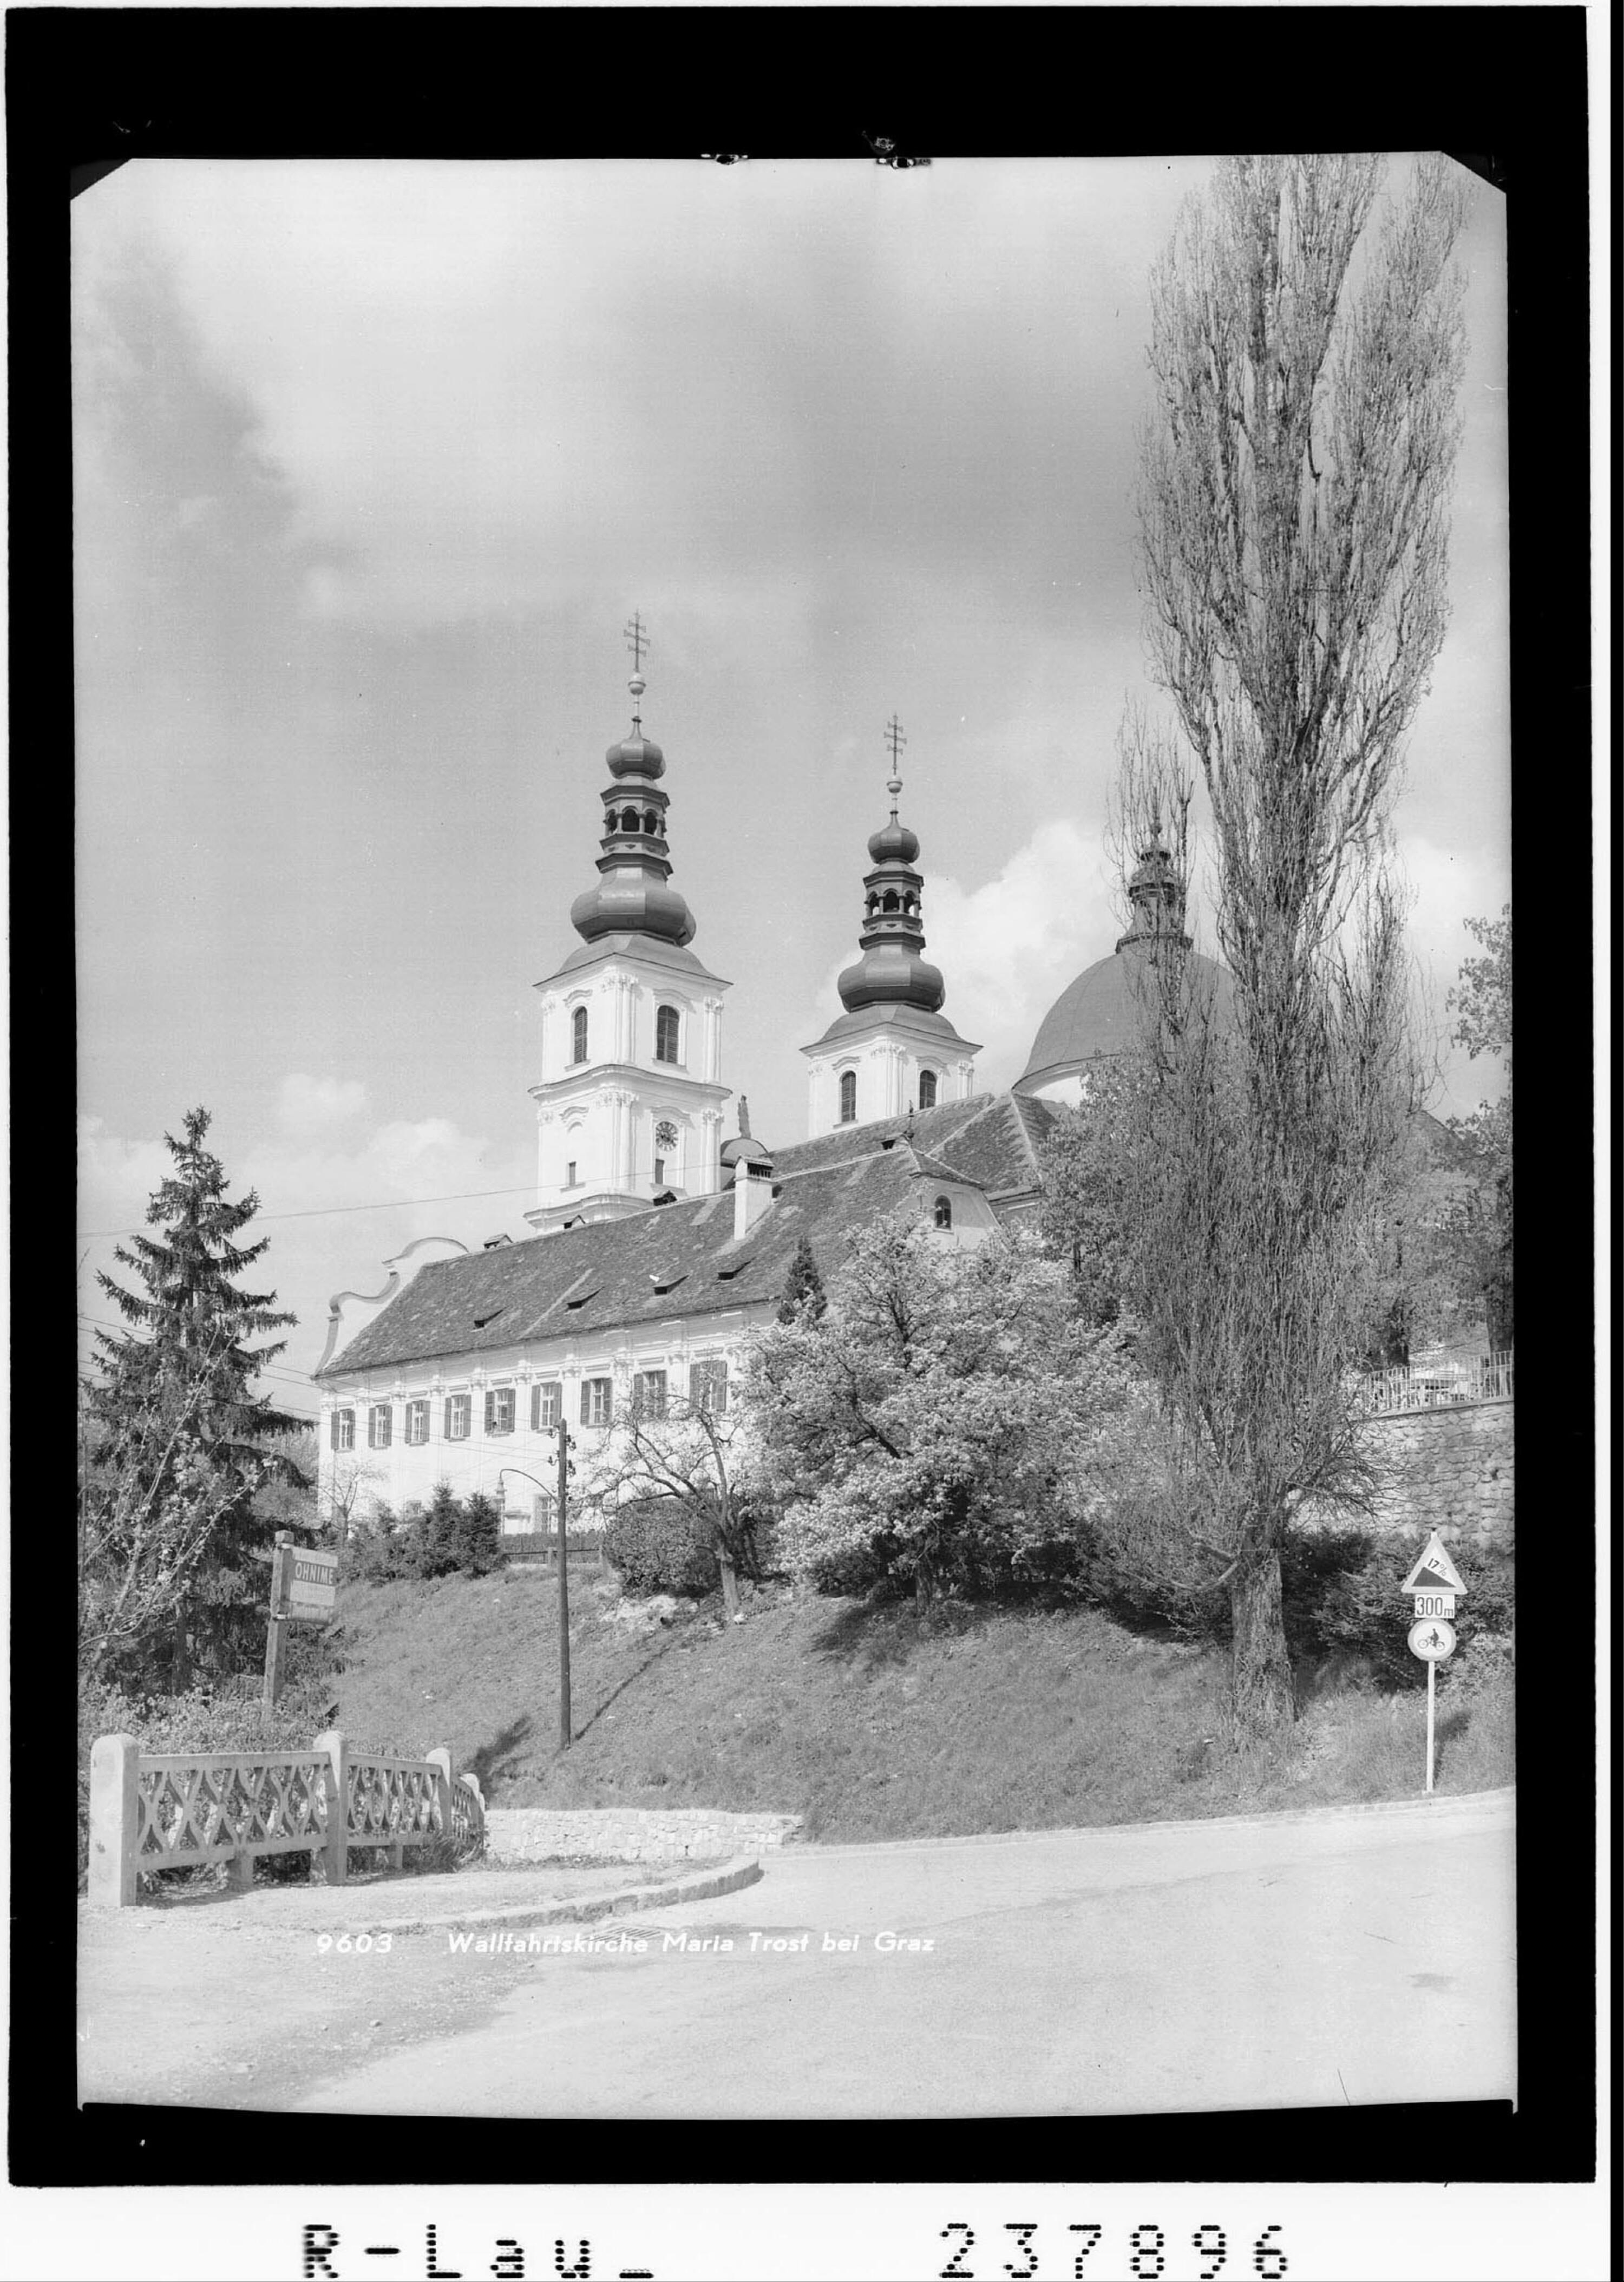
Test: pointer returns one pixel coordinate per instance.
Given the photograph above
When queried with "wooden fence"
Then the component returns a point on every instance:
(161, 1811)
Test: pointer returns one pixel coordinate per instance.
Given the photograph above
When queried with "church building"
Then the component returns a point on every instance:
(657, 1247)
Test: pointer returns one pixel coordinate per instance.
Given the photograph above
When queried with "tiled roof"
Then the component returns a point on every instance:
(652, 1267)
(988, 1139)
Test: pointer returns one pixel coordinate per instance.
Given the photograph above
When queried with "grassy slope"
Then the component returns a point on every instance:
(860, 1721)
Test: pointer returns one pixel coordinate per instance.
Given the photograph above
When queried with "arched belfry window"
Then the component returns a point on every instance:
(848, 1097)
(944, 1213)
(628, 820)
(666, 1029)
(578, 1035)
(927, 1089)
(651, 823)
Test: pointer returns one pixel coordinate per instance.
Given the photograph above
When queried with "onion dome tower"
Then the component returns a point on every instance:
(1104, 1011)
(893, 1049)
(629, 1102)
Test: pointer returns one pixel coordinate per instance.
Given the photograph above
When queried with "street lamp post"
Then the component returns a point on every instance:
(565, 1736)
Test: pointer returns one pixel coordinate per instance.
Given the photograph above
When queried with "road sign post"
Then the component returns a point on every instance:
(1435, 1584)
(277, 1624)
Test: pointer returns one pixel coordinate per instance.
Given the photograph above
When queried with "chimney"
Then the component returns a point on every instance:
(753, 1195)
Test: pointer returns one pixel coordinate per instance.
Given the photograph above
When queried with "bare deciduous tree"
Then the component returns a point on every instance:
(681, 1450)
(1294, 479)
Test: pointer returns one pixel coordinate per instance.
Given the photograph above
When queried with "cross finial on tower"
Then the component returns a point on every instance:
(896, 737)
(636, 638)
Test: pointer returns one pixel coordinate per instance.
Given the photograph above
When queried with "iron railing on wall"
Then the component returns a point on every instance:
(169, 1811)
(1427, 1386)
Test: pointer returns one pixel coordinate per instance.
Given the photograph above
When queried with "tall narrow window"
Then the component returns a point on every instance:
(944, 1213)
(578, 1035)
(546, 1407)
(596, 1401)
(499, 1402)
(343, 1430)
(459, 1409)
(380, 1418)
(649, 1393)
(666, 1030)
(707, 1386)
(418, 1420)
(848, 1097)
(569, 1174)
(927, 1089)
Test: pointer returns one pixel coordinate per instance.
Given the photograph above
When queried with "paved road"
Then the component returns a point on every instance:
(1343, 1956)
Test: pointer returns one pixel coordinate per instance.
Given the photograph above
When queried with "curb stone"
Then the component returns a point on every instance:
(1440, 1803)
(622, 1903)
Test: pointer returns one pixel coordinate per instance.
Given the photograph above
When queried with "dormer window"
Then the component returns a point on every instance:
(666, 1033)
(578, 1035)
(943, 1212)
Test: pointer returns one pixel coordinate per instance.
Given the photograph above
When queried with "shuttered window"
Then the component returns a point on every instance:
(707, 1387)
(596, 1402)
(499, 1405)
(343, 1430)
(546, 1404)
(380, 1424)
(458, 1411)
(418, 1420)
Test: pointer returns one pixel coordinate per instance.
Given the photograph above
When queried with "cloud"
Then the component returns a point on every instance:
(336, 1198)
(308, 1105)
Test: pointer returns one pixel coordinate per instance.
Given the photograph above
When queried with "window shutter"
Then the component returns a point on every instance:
(490, 1408)
(535, 1407)
(585, 1403)
(334, 1442)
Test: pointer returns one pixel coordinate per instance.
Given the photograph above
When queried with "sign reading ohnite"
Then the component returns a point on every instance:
(312, 1584)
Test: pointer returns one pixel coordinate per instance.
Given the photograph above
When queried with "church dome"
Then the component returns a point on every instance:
(633, 900)
(891, 972)
(894, 843)
(634, 895)
(635, 756)
(1103, 1013)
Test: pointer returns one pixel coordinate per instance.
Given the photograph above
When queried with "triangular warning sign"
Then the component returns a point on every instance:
(1435, 1571)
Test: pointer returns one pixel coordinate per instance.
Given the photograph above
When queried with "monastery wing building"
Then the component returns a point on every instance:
(657, 1246)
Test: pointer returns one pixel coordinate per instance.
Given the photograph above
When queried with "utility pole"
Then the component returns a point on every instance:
(564, 1737)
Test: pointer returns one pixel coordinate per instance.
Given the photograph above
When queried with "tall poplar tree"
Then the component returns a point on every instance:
(1306, 351)
(176, 1556)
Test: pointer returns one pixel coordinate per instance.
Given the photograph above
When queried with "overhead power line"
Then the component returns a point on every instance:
(331, 1211)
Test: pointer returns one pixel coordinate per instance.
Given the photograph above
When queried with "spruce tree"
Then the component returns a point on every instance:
(802, 1286)
(174, 1393)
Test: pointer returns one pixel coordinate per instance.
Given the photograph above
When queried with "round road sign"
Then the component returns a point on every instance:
(1431, 1640)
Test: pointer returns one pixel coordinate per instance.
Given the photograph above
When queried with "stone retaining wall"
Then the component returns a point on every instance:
(627, 1833)
(1450, 1469)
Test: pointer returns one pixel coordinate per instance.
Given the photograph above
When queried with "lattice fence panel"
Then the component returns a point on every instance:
(391, 1802)
(195, 1810)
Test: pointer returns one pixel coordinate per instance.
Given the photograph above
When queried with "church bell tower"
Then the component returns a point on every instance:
(893, 1049)
(629, 1101)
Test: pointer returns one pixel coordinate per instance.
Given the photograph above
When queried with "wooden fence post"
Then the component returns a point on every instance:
(441, 1760)
(335, 1854)
(115, 1820)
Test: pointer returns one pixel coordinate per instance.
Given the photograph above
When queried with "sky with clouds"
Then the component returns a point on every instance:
(373, 459)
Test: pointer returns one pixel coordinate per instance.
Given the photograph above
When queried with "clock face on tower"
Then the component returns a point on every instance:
(665, 1137)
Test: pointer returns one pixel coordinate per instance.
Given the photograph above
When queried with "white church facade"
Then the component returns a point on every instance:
(657, 1247)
